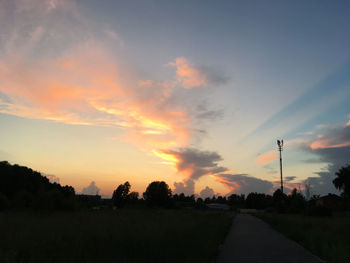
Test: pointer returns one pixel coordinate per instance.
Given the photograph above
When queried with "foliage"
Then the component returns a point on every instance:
(157, 194)
(258, 201)
(327, 237)
(120, 195)
(236, 201)
(127, 235)
(280, 200)
(342, 181)
(133, 197)
(297, 202)
(23, 188)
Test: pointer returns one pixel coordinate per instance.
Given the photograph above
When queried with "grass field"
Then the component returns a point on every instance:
(326, 237)
(113, 236)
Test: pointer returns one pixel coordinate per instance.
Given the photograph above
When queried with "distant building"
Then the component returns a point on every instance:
(331, 201)
(217, 206)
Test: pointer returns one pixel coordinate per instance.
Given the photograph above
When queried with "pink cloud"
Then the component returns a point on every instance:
(266, 157)
(80, 82)
(57, 70)
(326, 144)
(333, 137)
(83, 87)
(188, 75)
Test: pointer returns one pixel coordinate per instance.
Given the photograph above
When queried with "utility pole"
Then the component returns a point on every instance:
(280, 149)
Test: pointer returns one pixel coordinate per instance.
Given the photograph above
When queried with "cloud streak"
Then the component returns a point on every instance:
(267, 157)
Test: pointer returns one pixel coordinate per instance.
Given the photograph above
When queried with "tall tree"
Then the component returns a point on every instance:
(157, 194)
(342, 181)
(120, 195)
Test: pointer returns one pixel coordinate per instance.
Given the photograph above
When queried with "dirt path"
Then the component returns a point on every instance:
(252, 240)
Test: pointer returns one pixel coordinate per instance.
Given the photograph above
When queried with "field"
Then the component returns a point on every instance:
(326, 237)
(113, 236)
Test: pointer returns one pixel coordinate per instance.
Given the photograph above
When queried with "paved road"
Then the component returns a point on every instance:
(252, 240)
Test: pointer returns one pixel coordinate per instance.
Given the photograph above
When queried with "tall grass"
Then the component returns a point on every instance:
(327, 237)
(113, 236)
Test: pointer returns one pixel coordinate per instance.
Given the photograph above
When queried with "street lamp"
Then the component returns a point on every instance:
(280, 149)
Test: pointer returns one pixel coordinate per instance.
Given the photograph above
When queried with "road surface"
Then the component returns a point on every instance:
(252, 240)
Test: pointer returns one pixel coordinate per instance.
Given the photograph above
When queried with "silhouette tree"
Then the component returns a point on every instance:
(297, 202)
(120, 195)
(21, 187)
(157, 194)
(236, 201)
(200, 204)
(133, 197)
(280, 200)
(258, 201)
(342, 181)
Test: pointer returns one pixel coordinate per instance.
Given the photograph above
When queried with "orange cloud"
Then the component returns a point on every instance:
(188, 75)
(232, 186)
(192, 163)
(80, 82)
(326, 144)
(266, 157)
(72, 89)
(57, 70)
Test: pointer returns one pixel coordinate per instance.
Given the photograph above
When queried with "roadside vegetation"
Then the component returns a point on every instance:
(326, 237)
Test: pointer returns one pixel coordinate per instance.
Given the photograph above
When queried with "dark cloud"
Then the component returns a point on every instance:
(332, 148)
(91, 189)
(336, 157)
(186, 187)
(207, 192)
(214, 77)
(196, 163)
(203, 112)
(289, 178)
(244, 184)
(313, 160)
(270, 169)
(210, 115)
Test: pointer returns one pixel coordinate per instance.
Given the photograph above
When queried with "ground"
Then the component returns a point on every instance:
(142, 235)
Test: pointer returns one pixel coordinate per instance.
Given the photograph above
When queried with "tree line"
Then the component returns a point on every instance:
(23, 188)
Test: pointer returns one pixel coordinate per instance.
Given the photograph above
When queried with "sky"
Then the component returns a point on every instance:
(193, 93)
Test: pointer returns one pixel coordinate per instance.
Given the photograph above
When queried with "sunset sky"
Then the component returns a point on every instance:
(194, 93)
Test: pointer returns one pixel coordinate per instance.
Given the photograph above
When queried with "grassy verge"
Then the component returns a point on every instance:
(327, 237)
(113, 236)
